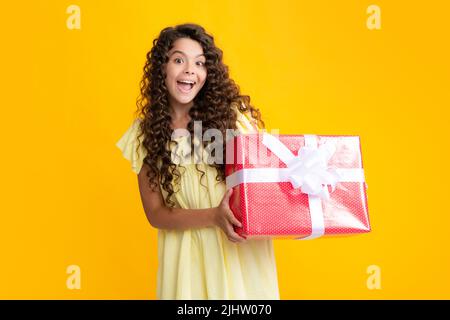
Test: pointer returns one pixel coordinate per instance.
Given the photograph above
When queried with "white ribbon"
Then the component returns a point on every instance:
(308, 171)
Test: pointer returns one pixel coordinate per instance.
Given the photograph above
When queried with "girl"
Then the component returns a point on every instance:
(200, 256)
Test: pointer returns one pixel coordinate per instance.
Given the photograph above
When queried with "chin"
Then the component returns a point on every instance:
(184, 100)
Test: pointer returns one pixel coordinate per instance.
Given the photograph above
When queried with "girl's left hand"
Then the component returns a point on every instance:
(225, 219)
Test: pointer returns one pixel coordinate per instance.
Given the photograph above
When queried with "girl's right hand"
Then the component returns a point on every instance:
(225, 219)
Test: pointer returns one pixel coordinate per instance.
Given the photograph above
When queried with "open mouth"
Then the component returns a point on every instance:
(184, 86)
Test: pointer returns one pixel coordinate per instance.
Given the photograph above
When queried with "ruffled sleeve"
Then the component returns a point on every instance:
(128, 144)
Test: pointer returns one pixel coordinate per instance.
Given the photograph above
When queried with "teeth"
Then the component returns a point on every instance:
(188, 82)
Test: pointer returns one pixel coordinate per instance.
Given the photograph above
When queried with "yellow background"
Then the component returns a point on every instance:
(69, 198)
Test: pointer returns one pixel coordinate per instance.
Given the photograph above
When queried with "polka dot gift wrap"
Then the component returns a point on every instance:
(297, 186)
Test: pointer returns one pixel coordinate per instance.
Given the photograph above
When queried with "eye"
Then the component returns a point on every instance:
(177, 59)
(201, 63)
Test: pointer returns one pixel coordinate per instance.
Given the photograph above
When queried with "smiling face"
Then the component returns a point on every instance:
(186, 72)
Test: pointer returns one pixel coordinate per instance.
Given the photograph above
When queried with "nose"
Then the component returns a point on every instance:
(189, 69)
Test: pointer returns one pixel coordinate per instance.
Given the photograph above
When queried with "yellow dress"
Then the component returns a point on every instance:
(202, 263)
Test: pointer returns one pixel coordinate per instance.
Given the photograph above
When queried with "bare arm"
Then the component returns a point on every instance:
(162, 217)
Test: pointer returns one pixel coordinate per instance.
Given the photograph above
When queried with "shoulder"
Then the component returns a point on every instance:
(244, 119)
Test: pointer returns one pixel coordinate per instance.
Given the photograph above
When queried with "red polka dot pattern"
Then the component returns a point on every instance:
(277, 210)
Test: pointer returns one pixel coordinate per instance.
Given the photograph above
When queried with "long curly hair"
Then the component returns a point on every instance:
(212, 105)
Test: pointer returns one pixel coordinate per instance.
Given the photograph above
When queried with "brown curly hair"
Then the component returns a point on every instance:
(212, 105)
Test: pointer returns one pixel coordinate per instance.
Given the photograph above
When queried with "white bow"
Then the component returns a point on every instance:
(310, 172)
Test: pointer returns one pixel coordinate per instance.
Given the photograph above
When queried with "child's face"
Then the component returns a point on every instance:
(186, 62)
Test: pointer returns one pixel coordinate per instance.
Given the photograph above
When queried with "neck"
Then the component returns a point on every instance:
(179, 111)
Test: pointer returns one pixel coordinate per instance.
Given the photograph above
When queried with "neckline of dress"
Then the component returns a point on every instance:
(181, 137)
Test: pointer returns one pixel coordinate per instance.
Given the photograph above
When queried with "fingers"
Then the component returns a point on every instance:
(233, 236)
(234, 221)
(227, 219)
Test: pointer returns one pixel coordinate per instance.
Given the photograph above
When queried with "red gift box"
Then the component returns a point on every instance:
(297, 186)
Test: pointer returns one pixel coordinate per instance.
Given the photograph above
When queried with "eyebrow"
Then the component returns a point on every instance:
(178, 51)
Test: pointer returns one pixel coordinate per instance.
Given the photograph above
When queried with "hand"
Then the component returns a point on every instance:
(225, 219)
